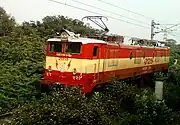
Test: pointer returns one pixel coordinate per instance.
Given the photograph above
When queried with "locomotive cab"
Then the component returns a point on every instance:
(62, 57)
(68, 61)
(59, 56)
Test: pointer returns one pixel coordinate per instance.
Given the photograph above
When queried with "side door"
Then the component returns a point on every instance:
(137, 58)
(104, 77)
(96, 62)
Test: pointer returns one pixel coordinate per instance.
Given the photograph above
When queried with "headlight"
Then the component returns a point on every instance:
(49, 68)
(74, 71)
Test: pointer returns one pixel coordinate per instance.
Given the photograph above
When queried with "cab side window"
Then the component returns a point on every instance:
(95, 51)
(131, 55)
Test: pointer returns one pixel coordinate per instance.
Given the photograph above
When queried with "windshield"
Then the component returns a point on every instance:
(55, 47)
(69, 47)
(72, 47)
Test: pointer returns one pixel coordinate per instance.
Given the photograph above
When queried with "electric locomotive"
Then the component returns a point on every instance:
(72, 60)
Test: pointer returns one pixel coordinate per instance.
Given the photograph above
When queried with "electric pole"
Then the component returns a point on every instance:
(152, 28)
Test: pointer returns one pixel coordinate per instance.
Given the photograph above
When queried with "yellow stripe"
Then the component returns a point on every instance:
(98, 65)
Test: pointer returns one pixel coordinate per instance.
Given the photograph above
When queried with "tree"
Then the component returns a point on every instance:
(7, 23)
(171, 42)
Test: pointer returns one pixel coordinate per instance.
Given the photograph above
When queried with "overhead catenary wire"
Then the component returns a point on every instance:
(58, 2)
(130, 11)
(117, 13)
(166, 29)
(125, 9)
(162, 30)
(166, 24)
(109, 12)
(172, 26)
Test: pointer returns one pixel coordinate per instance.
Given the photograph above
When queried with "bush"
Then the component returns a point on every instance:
(62, 107)
(172, 88)
(151, 112)
(21, 69)
(119, 104)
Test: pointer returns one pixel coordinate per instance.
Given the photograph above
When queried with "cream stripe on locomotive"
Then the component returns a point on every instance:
(100, 65)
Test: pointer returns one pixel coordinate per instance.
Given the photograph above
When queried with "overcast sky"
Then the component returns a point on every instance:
(164, 11)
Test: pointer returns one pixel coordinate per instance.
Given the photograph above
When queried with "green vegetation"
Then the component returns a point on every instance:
(22, 49)
(115, 106)
(22, 54)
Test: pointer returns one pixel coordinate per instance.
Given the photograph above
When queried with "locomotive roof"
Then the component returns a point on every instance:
(80, 39)
(90, 40)
(72, 37)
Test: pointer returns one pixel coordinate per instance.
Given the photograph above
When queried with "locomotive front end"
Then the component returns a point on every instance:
(63, 61)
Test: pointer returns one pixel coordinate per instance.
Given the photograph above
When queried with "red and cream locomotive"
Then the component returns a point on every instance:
(87, 62)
